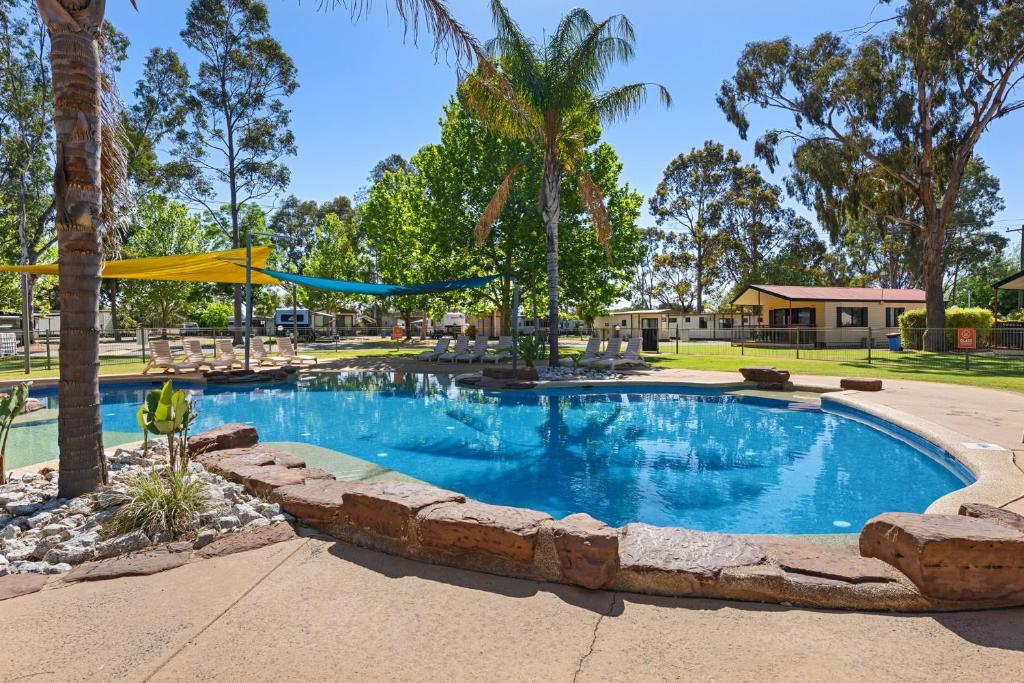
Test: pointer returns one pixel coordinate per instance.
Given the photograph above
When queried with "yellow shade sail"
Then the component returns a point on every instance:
(218, 266)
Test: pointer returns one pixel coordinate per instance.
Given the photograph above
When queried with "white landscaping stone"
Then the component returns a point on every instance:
(246, 513)
(205, 537)
(120, 545)
(40, 519)
(228, 522)
(10, 496)
(257, 523)
(74, 551)
(10, 532)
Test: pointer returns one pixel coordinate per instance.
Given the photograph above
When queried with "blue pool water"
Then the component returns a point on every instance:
(692, 458)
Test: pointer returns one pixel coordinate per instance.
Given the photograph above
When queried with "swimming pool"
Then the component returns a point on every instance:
(669, 456)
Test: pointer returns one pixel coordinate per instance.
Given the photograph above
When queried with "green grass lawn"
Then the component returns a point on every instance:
(984, 371)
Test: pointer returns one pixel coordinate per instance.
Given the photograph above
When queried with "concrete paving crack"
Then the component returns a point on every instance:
(593, 639)
(224, 611)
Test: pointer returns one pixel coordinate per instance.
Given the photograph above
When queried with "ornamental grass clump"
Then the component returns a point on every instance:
(158, 503)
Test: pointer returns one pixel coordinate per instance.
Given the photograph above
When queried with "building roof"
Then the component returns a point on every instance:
(1015, 281)
(863, 294)
(638, 312)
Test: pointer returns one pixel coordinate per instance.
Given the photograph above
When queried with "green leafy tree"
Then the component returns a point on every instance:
(692, 198)
(336, 255)
(552, 103)
(164, 228)
(902, 111)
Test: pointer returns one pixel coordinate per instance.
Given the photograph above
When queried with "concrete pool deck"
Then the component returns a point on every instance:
(317, 609)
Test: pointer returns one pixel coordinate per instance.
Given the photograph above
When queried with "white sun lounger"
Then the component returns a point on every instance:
(630, 357)
(500, 352)
(589, 354)
(461, 346)
(194, 354)
(611, 351)
(287, 350)
(226, 353)
(260, 355)
(478, 351)
(161, 357)
(439, 348)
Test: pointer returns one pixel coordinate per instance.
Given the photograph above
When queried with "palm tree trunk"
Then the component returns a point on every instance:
(550, 211)
(74, 26)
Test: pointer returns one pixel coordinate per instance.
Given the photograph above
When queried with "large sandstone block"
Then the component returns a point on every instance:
(316, 502)
(949, 557)
(387, 508)
(261, 481)
(506, 532)
(225, 461)
(998, 515)
(694, 557)
(860, 384)
(588, 550)
(231, 435)
(766, 378)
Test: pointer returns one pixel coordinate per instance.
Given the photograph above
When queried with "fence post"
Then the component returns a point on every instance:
(869, 345)
(49, 365)
(142, 341)
(796, 338)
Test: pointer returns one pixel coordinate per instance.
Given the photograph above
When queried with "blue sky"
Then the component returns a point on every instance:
(367, 92)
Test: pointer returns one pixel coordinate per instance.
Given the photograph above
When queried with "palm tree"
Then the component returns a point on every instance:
(88, 169)
(555, 100)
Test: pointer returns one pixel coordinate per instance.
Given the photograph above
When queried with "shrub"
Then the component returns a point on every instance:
(214, 315)
(159, 502)
(912, 323)
(11, 405)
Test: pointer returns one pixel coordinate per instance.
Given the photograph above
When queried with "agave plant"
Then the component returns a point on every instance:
(530, 348)
(11, 405)
(170, 413)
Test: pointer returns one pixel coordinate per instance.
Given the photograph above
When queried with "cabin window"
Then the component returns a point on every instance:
(726, 323)
(686, 319)
(703, 323)
(892, 316)
(851, 317)
(805, 317)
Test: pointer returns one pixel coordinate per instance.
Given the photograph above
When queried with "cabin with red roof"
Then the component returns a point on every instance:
(824, 316)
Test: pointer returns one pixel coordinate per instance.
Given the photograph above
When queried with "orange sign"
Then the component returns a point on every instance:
(966, 338)
(397, 333)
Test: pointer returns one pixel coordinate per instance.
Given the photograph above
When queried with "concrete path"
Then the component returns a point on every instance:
(315, 609)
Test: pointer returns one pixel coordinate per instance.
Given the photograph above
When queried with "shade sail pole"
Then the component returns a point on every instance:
(248, 295)
(515, 325)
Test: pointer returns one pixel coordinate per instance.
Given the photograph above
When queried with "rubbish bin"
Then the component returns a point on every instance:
(650, 339)
(895, 343)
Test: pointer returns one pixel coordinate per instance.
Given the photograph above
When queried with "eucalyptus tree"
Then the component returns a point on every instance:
(555, 100)
(904, 109)
(238, 132)
(692, 198)
(88, 178)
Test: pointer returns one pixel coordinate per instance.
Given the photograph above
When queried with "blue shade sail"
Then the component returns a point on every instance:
(373, 289)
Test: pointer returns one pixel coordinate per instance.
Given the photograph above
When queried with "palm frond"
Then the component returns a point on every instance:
(516, 51)
(118, 199)
(593, 199)
(449, 35)
(495, 205)
(500, 106)
(589, 59)
(618, 103)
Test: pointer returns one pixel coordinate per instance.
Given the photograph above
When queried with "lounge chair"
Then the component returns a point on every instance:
(461, 346)
(260, 355)
(500, 352)
(439, 348)
(226, 353)
(287, 350)
(161, 357)
(630, 357)
(478, 351)
(611, 351)
(589, 354)
(194, 354)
